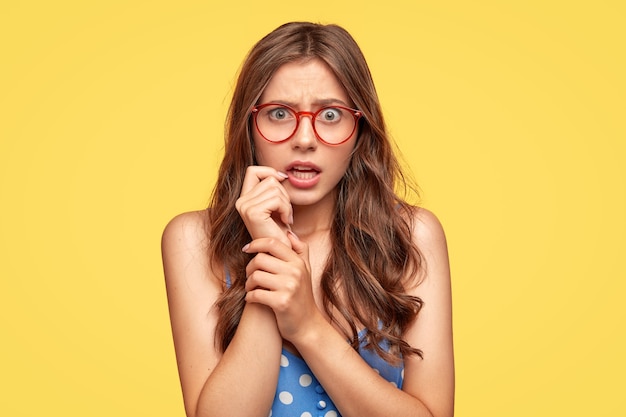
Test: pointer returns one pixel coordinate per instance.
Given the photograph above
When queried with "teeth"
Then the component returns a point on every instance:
(303, 175)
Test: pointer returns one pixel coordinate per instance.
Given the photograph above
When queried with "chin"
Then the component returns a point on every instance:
(303, 201)
(308, 198)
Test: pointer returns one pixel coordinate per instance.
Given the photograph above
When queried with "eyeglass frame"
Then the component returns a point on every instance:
(357, 114)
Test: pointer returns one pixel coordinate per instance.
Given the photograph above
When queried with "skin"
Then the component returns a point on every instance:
(289, 226)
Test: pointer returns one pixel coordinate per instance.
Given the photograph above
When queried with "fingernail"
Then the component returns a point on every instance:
(293, 234)
(291, 218)
(246, 247)
(283, 175)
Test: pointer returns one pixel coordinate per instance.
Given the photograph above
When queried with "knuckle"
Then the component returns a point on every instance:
(257, 262)
(296, 271)
(282, 303)
(291, 286)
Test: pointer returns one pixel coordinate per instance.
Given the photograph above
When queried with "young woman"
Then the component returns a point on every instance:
(309, 287)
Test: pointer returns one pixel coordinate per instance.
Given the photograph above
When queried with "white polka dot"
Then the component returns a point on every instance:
(284, 362)
(305, 380)
(377, 371)
(285, 397)
(306, 414)
(270, 413)
(331, 413)
(402, 373)
(394, 384)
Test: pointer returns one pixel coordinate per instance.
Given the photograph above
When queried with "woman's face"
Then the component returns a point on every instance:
(314, 167)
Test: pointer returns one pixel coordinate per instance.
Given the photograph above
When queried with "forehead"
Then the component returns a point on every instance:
(304, 83)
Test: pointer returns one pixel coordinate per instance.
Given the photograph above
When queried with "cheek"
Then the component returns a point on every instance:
(266, 154)
(340, 163)
(346, 156)
(346, 163)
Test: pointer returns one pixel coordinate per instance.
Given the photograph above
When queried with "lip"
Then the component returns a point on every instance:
(299, 181)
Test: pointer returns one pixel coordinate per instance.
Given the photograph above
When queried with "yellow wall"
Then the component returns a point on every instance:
(510, 114)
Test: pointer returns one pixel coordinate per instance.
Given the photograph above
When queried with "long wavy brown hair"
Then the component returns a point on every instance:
(371, 237)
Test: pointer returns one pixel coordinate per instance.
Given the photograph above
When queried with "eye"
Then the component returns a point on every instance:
(330, 115)
(279, 113)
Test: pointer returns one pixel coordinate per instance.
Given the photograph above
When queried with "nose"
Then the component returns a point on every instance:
(304, 137)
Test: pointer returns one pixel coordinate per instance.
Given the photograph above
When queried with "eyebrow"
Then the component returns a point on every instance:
(317, 103)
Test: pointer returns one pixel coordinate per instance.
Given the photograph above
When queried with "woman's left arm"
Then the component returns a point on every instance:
(428, 389)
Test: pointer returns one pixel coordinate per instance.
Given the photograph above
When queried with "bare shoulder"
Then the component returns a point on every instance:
(429, 236)
(427, 230)
(184, 247)
(187, 230)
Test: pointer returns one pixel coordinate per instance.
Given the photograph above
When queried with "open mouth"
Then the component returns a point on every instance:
(303, 172)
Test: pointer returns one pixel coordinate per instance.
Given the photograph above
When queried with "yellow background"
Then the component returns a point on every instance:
(510, 115)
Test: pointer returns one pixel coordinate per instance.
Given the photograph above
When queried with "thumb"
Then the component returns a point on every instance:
(299, 246)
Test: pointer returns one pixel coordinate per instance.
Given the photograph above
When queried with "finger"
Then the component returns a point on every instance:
(269, 199)
(262, 296)
(265, 185)
(263, 191)
(271, 246)
(262, 280)
(256, 174)
(264, 262)
(299, 246)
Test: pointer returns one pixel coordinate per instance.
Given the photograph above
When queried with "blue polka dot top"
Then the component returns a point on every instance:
(299, 393)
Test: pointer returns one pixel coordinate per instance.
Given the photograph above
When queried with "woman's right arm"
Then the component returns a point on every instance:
(242, 380)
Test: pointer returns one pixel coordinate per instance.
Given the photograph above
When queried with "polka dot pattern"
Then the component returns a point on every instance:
(300, 394)
(305, 380)
(285, 397)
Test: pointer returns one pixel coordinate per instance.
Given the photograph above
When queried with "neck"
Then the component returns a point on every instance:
(310, 220)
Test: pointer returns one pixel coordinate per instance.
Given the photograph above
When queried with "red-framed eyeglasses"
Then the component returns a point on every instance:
(332, 125)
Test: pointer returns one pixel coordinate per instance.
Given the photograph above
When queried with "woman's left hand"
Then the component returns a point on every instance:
(280, 278)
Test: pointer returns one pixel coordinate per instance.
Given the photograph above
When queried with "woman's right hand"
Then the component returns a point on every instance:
(264, 204)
